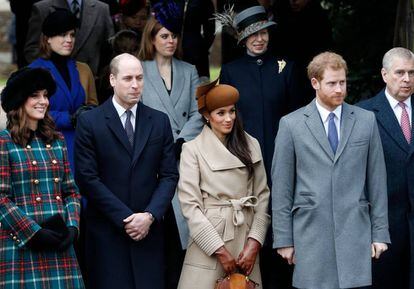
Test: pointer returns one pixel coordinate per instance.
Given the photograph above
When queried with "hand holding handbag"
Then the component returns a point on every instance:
(235, 281)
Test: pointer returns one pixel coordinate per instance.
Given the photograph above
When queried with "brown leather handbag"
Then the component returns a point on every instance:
(236, 281)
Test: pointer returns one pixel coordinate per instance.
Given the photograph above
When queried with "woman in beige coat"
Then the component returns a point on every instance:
(223, 194)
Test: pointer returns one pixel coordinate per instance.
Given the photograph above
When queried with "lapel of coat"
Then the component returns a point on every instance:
(178, 82)
(315, 125)
(347, 123)
(154, 77)
(89, 16)
(143, 127)
(59, 80)
(386, 117)
(115, 125)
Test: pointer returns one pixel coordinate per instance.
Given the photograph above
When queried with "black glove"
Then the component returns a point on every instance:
(70, 238)
(45, 240)
(79, 111)
(178, 145)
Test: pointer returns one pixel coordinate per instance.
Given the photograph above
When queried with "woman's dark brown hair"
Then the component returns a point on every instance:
(237, 143)
(21, 133)
(147, 50)
(45, 51)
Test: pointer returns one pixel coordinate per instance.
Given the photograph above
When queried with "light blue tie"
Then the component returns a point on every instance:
(332, 132)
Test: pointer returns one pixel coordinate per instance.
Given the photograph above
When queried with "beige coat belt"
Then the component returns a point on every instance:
(233, 212)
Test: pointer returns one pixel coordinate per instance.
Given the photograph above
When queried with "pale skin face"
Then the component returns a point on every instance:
(35, 108)
(257, 43)
(137, 21)
(165, 43)
(62, 44)
(399, 78)
(331, 89)
(128, 82)
(222, 120)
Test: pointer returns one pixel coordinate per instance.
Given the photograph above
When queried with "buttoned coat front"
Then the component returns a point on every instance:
(330, 207)
(222, 205)
(35, 184)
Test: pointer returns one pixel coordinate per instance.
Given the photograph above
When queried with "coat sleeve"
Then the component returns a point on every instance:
(377, 187)
(167, 175)
(88, 83)
(87, 175)
(283, 180)
(12, 218)
(31, 48)
(191, 200)
(70, 192)
(261, 218)
(194, 123)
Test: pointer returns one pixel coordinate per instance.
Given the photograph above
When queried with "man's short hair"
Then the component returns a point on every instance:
(323, 61)
(395, 52)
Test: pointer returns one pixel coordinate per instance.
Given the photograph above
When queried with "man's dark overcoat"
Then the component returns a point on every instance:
(392, 270)
(119, 180)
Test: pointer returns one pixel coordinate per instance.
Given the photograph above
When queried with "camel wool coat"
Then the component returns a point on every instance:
(222, 205)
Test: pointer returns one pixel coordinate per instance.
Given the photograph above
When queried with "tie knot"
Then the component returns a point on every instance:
(331, 116)
(401, 104)
(128, 113)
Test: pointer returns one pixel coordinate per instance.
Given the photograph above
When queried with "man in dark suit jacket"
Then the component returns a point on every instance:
(126, 168)
(395, 269)
(95, 28)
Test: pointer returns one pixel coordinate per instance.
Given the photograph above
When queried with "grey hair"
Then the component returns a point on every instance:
(395, 52)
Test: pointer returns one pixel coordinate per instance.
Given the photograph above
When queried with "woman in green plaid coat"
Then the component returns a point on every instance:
(39, 201)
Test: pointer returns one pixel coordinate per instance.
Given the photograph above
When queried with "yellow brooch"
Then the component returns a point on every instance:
(281, 64)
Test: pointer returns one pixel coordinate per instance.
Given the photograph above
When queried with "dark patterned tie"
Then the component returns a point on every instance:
(76, 9)
(128, 127)
(332, 132)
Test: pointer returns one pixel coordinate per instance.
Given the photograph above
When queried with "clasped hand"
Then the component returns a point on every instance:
(137, 225)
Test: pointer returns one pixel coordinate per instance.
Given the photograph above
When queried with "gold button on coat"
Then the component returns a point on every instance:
(58, 198)
(34, 163)
(54, 162)
(28, 146)
(38, 199)
(56, 180)
(36, 182)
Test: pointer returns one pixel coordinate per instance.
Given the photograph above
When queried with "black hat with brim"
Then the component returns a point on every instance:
(58, 22)
(23, 83)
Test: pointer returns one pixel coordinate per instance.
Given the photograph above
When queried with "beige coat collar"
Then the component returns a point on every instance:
(217, 156)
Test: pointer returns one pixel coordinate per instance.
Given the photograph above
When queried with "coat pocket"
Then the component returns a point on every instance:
(197, 257)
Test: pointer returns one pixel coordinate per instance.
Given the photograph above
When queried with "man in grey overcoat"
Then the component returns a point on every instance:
(329, 195)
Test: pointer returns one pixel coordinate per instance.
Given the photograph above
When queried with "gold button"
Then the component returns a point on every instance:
(56, 180)
(36, 182)
(48, 146)
(58, 198)
(11, 235)
(28, 146)
(34, 163)
(54, 162)
(14, 238)
(38, 199)
(17, 241)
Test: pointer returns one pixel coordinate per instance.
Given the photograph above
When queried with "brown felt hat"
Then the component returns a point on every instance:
(212, 96)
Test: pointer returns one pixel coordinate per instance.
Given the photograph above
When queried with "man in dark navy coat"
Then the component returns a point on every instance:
(126, 168)
(393, 110)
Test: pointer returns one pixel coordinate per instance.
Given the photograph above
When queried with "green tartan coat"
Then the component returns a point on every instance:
(35, 184)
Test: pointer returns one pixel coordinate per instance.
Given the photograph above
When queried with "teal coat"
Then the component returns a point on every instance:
(35, 184)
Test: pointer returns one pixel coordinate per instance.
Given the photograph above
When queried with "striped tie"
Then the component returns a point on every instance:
(76, 9)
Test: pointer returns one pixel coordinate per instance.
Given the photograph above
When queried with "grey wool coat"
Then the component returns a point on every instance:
(222, 205)
(181, 105)
(330, 207)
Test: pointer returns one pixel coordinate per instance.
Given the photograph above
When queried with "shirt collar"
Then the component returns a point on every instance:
(324, 113)
(120, 110)
(394, 103)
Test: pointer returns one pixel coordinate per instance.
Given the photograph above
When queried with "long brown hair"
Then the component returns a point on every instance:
(237, 143)
(20, 132)
(147, 50)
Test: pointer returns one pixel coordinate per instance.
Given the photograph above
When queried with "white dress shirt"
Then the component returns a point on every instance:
(324, 114)
(397, 108)
(122, 113)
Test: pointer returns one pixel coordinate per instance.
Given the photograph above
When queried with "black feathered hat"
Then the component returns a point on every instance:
(23, 83)
(58, 22)
(169, 13)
